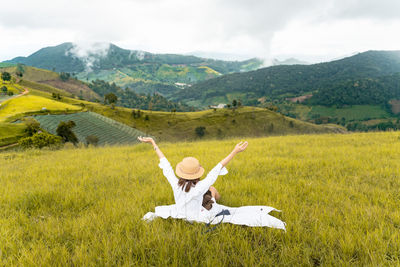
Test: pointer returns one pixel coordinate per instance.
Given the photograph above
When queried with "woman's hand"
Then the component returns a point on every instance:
(146, 140)
(238, 148)
(151, 141)
(241, 147)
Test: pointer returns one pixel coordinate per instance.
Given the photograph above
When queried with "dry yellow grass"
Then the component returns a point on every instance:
(339, 196)
(31, 103)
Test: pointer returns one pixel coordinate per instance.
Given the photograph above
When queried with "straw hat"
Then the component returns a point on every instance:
(189, 168)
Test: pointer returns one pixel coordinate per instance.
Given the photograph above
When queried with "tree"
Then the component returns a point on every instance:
(136, 114)
(40, 140)
(64, 76)
(200, 131)
(32, 126)
(20, 70)
(110, 98)
(271, 128)
(92, 140)
(4, 89)
(64, 130)
(5, 76)
(234, 103)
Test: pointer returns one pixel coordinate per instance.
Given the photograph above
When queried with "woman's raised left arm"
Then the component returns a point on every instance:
(151, 141)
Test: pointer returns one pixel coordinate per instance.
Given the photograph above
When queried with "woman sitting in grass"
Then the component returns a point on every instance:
(195, 199)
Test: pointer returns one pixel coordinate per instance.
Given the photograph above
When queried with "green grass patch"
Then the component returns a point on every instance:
(44, 88)
(34, 74)
(6, 65)
(356, 112)
(351, 113)
(338, 195)
(11, 132)
(219, 124)
(29, 104)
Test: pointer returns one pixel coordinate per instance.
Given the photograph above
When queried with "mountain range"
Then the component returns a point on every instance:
(369, 81)
(366, 78)
(141, 71)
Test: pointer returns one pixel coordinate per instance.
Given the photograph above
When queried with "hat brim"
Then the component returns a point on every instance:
(187, 176)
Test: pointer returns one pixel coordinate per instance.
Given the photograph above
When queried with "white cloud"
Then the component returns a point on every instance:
(325, 41)
(89, 53)
(253, 27)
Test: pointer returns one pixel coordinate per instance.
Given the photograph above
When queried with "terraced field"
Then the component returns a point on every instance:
(89, 123)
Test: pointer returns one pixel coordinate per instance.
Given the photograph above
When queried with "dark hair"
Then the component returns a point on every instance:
(188, 184)
(207, 202)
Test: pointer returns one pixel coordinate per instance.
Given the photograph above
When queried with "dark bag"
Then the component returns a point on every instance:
(222, 213)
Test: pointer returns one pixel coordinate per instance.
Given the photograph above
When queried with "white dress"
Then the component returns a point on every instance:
(188, 205)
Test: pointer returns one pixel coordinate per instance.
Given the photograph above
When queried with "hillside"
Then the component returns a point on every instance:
(219, 124)
(28, 104)
(10, 133)
(83, 207)
(107, 131)
(165, 126)
(65, 85)
(280, 82)
(131, 68)
(51, 78)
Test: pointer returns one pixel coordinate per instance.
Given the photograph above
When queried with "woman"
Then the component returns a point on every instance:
(190, 194)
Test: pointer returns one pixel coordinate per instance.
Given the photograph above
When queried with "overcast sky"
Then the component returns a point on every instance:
(311, 30)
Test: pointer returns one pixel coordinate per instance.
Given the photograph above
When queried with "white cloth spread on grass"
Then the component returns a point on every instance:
(188, 205)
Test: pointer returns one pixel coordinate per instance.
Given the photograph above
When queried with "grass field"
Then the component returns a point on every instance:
(31, 103)
(11, 132)
(222, 123)
(6, 65)
(34, 74)
(353, 113)
(83, 207)
(46, 80)
(356, 112)
(165, 126)
(11, 87)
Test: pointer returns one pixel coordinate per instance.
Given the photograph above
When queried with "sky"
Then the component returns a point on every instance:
(309, 30)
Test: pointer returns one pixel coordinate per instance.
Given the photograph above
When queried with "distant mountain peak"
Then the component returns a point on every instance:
(289, 61)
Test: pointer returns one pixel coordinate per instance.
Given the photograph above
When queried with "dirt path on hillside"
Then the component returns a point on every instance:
(3, 148)
(26, 91)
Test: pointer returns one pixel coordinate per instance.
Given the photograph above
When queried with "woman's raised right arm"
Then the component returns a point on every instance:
(220, 169)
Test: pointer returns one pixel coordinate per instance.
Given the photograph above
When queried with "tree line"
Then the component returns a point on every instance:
(128, 98)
